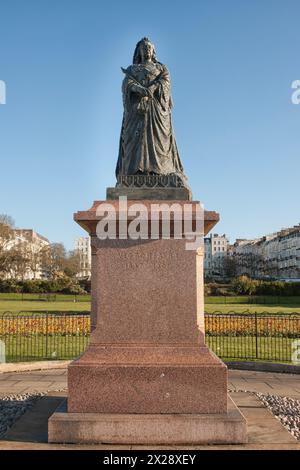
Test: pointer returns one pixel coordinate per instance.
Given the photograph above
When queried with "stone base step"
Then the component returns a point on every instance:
(95, 428)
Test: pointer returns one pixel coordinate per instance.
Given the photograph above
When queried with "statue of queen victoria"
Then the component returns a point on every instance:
(148, 152)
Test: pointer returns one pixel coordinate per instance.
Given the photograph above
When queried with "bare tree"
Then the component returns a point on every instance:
(53, 259)
(72, 264)
(6, 219)
(56, 261)
(20, 261)
(6, 241)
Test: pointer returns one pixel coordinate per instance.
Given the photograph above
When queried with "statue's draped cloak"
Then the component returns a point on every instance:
(147, 142)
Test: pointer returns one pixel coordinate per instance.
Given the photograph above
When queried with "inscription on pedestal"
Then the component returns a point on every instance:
(145, 259)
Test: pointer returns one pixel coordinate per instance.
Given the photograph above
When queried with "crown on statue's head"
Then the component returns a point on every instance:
(136, 55)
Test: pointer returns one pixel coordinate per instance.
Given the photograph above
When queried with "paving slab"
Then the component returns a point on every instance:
(242, 399)
(57, 386)
(36, 383)
(33, 366)
(10, 383)
(258, 387)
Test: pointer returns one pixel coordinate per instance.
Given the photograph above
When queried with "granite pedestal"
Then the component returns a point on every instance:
(147, 375)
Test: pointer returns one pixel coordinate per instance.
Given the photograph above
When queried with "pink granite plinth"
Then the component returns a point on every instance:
(149, 429)
(145, 379)
(147, 356)
(147, 351)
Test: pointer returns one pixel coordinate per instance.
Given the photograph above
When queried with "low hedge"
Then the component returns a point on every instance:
(63, 285)
(243, 285)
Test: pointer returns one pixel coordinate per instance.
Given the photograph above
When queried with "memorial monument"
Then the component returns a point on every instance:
(147, 376)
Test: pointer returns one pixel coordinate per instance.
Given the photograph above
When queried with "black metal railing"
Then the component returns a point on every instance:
(245, 336)
(253, 336)
(43, 336)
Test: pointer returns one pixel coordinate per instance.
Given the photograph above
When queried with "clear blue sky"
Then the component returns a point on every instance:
(232, 63)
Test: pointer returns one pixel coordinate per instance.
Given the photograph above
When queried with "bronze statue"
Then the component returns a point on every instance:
(147, 143)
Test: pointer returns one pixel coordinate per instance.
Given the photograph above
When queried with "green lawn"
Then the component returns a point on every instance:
(59, 346)
(274, 300)
(259, 304)
(271, 348)
(36, 306)
(60, 305)
(30, 347)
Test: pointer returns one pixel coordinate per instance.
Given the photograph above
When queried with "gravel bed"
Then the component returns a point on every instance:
(286, 409)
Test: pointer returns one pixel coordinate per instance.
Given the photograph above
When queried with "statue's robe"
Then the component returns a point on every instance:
(147, 142)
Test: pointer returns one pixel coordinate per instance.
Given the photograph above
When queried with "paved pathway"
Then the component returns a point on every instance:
(56, 379)
(265, 382)
(264, 430)
(35, 381)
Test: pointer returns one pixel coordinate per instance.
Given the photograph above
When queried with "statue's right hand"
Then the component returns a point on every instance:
(140, 90)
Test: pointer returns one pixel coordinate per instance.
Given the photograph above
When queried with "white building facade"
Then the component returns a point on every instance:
(276, 255)
(215, 249)
(30, 244)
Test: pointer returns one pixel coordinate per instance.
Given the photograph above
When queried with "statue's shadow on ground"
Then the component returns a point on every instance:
(32, 426)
